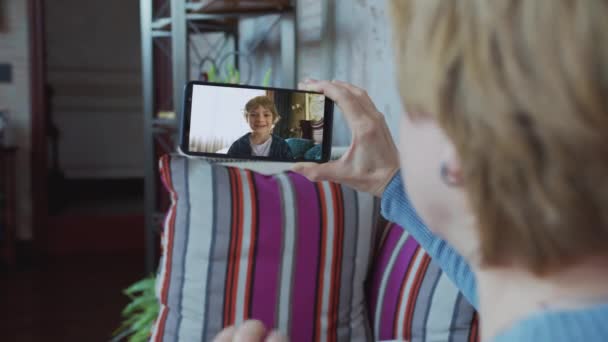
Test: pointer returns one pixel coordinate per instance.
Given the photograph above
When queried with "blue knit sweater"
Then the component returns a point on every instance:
(589, 324)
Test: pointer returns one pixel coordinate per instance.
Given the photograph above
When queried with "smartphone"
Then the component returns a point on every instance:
(255, 123)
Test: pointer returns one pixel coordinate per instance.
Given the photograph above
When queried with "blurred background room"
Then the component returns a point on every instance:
(90, 99)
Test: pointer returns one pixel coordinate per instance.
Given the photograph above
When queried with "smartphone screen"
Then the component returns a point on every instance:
(243, 122)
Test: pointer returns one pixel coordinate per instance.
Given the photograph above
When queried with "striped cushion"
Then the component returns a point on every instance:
(238, 244)
(410, 297)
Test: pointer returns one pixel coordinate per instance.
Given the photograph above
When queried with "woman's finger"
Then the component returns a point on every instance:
(226, 335)
(360, 93)
(340, 95)
(250, 331)
(276, 336)
(318, 172)
(302, 84)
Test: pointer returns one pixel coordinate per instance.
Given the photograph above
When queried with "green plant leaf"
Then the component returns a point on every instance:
(230, 71)
(266, 80)
(142, 285)
(126, 324)
(140, 303)
(212, 75)
(140, 314)
(141, 335)
(144, 321)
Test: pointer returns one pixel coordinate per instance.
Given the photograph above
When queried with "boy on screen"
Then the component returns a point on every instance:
(261, 115)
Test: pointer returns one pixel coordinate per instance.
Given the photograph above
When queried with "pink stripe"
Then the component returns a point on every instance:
(268, 251)
(307, 255)
(393, 287)
(389, 244)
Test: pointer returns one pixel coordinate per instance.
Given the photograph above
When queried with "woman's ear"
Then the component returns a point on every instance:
(450, 170)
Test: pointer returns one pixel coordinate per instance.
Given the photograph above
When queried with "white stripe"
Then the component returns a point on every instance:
(241, 281)
(327, 270)
(162, 273)
(382, 289)
(289, 250)
(441, 310)
(359, 320)
(408, 289)
(158, 288)
(198, 249)
(155, 327)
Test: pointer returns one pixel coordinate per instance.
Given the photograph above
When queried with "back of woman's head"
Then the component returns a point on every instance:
(521, 88)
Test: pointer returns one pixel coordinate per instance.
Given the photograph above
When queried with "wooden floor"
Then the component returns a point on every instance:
(67, 299)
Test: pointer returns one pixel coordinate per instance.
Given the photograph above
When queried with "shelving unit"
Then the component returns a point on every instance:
(8, 202)
(177, 20)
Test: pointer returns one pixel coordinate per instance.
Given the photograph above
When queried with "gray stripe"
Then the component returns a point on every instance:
(378, 228)
(349, 258)
(461, 320)
(360, 319)
(197, 257)
(219, 253)
(423, 302)
(288, 251)
(442, 306)
(247, 243)
(214, 171)
(179, 178)
(330, 239)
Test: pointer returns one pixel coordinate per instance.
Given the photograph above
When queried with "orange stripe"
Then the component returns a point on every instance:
(249, 287)
(402, 290)
(380, 241)
(230, 271)
(169, 251)
(414, 294)
(239, 243)
(340, 255)
(166, 181)
(473, 337)
(229, 266)
(335, 269)
(161, 325)
(170, 234)
(340, 251)
(320, 280)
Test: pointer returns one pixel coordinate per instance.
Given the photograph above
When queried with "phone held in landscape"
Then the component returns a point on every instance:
(227, 121)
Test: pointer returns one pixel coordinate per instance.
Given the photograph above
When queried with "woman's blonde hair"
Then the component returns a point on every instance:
(265, 102)
(521, 88)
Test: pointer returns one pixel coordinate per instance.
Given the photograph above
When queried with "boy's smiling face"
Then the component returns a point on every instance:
(260, 120)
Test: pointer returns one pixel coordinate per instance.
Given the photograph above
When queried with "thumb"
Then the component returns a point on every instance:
(276, 336)
(316, 172)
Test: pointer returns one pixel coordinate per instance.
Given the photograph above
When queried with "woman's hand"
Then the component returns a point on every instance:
(249, 331)
(372, 158)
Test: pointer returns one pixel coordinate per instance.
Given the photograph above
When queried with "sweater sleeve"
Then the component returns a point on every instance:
(397, 208)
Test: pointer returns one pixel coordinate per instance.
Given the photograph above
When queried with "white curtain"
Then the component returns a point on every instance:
(217, 116)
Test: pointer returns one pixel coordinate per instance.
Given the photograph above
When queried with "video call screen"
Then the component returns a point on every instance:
(242, 122)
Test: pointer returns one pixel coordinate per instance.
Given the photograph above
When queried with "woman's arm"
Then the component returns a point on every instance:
(397, 207)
